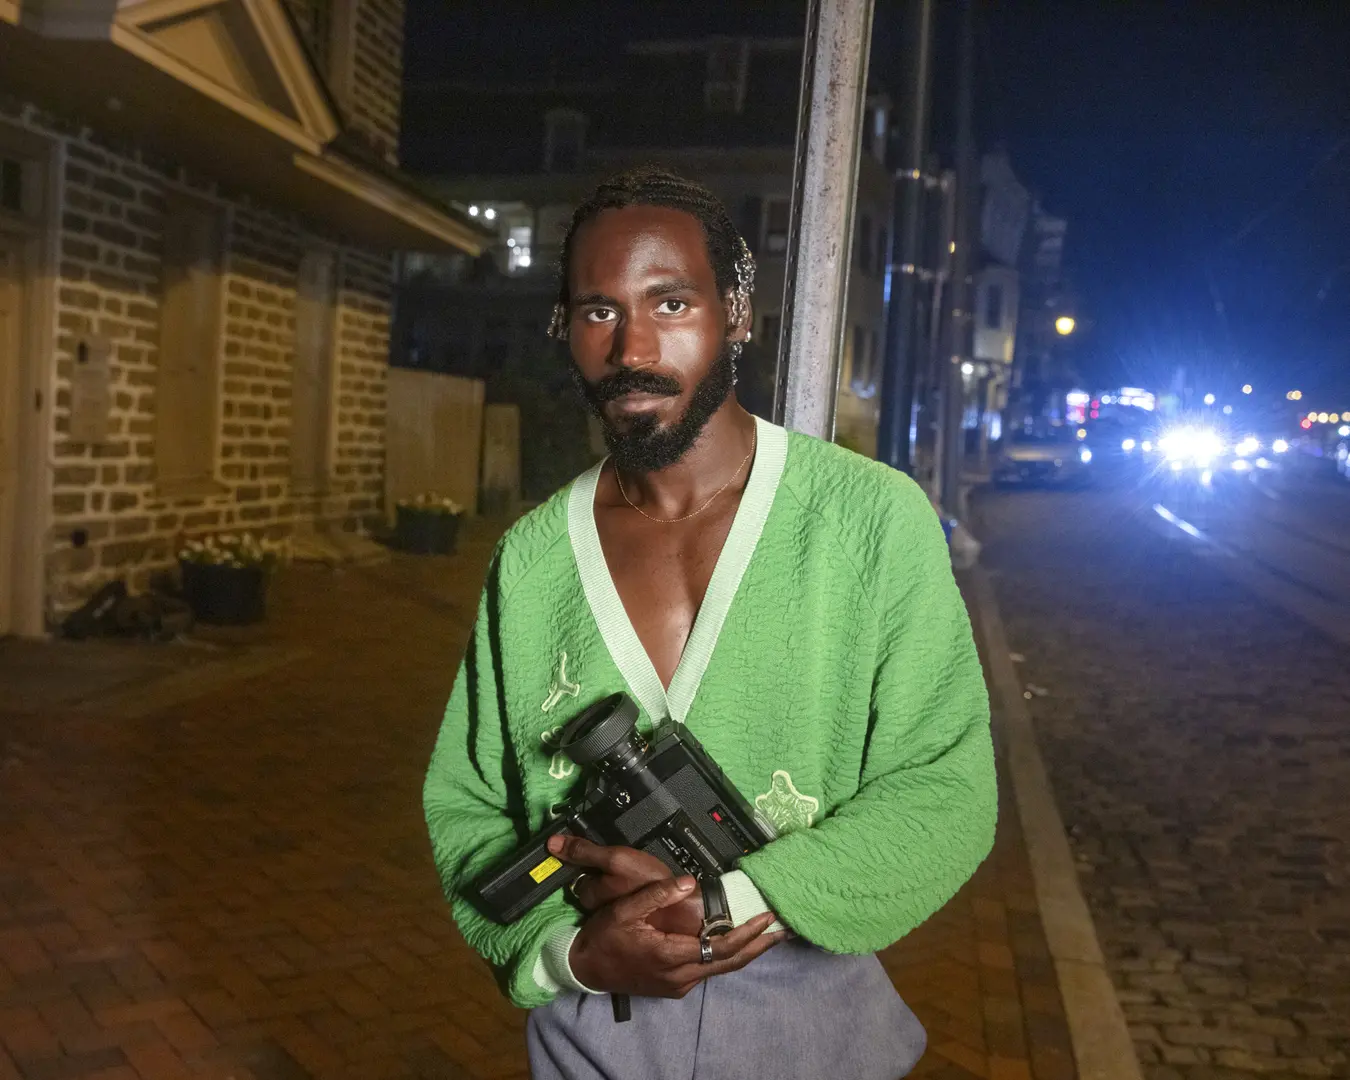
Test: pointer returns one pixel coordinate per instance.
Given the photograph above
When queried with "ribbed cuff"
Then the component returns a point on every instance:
(552, 971)
(745, 901)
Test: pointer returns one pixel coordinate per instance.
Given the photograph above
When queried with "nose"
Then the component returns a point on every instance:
(635, 344)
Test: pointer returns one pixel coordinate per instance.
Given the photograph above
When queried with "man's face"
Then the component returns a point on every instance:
(648, 332)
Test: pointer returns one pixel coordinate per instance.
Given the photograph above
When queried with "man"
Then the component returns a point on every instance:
(792, 603)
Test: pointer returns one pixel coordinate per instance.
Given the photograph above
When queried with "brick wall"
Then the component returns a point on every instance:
(108, 518)
(377, 87)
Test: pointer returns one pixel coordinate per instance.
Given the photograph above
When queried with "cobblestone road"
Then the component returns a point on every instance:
(1198, 742)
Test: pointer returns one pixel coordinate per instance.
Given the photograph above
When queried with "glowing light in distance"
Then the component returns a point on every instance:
(967, 368)
(1241, 465)
(489, 213)
(1209, 399)
(1322, 418)
(1147, 447)
(1279, 446)
(1246, 388)
(1305, 423)
(473, 211)
(1343, 431)
(1085, 455)
(1263, 463)
(1127, 445)
(1176, 466)
(1064, 325)
(1248, 446)
(1206, 478)
(1082, 433)
(1335, 418)
(1228, 410)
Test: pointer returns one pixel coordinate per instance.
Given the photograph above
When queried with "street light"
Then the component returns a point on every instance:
(1209, 399)
(1294, 395)
(1246, 388)
(1064, 325)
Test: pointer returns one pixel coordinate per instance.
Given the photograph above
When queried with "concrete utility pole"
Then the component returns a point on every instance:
(902, 345)
(824, 188)
(963, 264)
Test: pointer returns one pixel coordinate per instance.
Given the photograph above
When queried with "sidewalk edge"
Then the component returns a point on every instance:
(1102, 1046)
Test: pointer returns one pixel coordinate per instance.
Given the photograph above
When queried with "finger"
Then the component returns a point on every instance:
(597, 890)
(679, 950)
(578, 851)
(653, 897)
(757, 948)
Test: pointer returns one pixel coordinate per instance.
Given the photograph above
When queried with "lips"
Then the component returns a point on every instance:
(637, 402)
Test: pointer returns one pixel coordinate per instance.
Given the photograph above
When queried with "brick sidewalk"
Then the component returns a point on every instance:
(239, 887)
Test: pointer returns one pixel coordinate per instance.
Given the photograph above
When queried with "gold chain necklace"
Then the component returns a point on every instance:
(669, 521)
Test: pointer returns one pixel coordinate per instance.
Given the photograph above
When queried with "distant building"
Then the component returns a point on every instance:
(199, 211)
(1041, 372)
(721, 111)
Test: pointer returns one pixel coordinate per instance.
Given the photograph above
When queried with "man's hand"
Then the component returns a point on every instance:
(614, 872)
(619, 950)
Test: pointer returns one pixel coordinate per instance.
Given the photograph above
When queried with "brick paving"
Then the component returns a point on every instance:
(1198, 741)
(238, 887)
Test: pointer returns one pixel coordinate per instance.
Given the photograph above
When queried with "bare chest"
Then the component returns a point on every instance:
(661, 572)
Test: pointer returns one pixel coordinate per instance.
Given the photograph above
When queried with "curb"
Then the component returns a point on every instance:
(1102, 1047)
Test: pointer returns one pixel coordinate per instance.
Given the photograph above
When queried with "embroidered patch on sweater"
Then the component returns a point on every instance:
(785, 806)
(561, 766)
(562, 687)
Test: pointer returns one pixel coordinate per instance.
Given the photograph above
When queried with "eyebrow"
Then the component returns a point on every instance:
(662, 288)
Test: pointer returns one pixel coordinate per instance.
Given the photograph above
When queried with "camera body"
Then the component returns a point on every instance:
(662, 794)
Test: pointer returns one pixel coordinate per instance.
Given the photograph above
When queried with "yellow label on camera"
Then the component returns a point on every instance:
(545, 869)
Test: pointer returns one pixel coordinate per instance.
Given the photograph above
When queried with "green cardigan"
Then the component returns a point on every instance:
(830, 672)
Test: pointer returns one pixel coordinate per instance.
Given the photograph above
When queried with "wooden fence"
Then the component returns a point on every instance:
(433, 437)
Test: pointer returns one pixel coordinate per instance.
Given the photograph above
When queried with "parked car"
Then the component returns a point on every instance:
(1050, 456)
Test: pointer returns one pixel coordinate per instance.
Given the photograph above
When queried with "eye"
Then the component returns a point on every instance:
(601, 315)
(672, 306)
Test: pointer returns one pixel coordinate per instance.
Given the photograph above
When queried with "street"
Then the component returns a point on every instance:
(1197, 736)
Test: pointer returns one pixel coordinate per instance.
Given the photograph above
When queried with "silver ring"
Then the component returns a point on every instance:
(572, 886)
(705, 951)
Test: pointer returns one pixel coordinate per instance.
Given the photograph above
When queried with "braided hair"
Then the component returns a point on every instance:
(732, 264)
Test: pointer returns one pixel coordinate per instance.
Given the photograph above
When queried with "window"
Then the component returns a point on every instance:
(11, 185)
(777, 218)
(861, 377)
(770, 326)
(518, 241)
(865, 243)
(993, 307)
(187, 389)
(312, 378)
(564, 139)
(724, 83)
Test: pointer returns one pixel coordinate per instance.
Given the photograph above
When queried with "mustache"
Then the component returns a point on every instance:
(626, 382)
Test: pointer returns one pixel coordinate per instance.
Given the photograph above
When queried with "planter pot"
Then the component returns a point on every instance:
(225, 594)
(424, 533)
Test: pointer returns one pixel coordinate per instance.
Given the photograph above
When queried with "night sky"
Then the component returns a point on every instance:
(1199, 150)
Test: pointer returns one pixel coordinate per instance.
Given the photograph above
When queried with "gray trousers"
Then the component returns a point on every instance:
(795, 1012)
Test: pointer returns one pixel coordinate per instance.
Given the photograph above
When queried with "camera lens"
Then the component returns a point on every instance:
(605, 735)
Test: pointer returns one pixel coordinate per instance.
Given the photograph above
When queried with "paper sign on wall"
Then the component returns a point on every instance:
(91, 390)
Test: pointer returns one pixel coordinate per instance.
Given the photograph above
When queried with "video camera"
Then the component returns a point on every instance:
(661, 794)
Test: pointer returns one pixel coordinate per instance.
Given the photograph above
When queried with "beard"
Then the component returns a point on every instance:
(643, 445)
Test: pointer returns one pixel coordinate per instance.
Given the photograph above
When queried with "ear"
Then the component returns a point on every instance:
(739, 320)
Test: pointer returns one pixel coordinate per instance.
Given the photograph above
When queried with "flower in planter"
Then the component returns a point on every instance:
(239, 552)
(429, 502)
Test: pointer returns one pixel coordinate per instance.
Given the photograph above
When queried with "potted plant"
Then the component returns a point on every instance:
(427, 524)
(225, 577)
